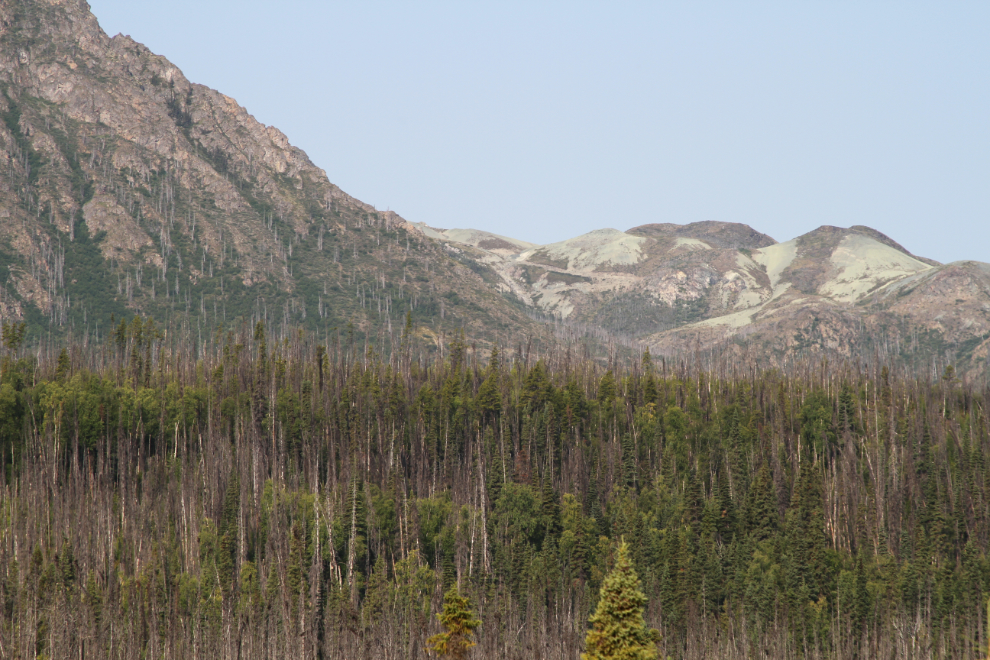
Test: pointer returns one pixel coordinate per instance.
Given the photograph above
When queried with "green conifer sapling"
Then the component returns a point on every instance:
(458, 618)
(618, 631)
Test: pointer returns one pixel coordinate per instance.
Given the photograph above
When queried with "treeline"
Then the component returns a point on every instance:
(289, 497)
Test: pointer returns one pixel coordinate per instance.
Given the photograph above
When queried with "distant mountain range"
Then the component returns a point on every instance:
(716, 286)
(126, 189)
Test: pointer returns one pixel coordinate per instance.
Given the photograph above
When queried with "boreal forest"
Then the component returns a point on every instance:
(261, 494)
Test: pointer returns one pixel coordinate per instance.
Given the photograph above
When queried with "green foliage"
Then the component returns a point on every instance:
(489, 397)
(13, 335)
(12, 118)
(93, 286)
(761, 510)
(350, 507)
(606, 387)
(229, 532)
(458, 619)
(618, 631)
(519, 514)
(816, 423)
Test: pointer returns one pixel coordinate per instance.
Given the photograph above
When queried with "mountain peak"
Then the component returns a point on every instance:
(134, 191)
(725, 235)
(829, 236)
(887, 240)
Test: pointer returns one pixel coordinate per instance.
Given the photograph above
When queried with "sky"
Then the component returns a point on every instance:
(545, 120)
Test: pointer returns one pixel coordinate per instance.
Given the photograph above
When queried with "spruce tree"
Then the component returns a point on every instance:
(618, 631)
(762, 509)
(629, 463)
(458, 618)
(606, 387)
(228, 533)
(489, 399)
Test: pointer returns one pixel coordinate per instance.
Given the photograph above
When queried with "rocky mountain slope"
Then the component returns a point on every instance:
(713, 286)
(125, 188)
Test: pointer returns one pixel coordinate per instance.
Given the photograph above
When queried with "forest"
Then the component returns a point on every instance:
(260, 493)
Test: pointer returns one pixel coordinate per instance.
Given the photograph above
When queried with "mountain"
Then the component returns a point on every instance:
(724, 287)
(127, 189)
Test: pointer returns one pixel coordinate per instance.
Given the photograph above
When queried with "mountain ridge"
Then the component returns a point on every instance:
(834, 290)
(131, 190)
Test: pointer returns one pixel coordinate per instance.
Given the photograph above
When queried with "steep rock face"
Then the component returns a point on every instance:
(129, 189)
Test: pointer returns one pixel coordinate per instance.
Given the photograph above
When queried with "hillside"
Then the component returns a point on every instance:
(717, 287)
(246, 415)
(854, 293)
(128, 189)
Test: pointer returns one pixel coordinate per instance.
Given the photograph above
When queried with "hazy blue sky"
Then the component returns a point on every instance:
(546, 120)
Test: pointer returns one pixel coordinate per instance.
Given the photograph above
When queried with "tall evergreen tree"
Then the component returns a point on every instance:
(458, 618)
(762, 509)
(618, 631)
(606, 387)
